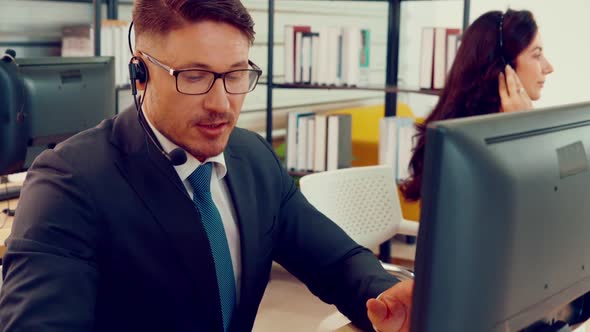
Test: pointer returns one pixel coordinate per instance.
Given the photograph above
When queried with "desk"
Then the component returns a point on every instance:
(303, 311)
(6, 226)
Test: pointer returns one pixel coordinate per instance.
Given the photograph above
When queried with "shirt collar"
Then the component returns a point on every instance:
(192, 163)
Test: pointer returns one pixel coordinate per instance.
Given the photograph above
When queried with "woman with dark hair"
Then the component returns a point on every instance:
(499, 67)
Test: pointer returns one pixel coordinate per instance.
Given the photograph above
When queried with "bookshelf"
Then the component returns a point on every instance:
(389, 87)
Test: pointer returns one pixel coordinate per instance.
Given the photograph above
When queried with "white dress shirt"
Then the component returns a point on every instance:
(220, 193)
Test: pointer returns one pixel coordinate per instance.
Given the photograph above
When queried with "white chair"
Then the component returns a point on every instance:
(364, 202)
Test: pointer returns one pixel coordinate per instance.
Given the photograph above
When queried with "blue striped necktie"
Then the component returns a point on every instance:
(200, 180)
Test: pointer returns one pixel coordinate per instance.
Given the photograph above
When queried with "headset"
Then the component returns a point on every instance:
(138, 72)
(501, 38)
(501, 41)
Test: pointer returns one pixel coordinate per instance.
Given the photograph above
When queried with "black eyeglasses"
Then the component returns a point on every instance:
(199, 82)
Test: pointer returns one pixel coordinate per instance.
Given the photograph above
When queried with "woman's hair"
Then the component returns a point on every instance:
(159, 17)
(472, 83)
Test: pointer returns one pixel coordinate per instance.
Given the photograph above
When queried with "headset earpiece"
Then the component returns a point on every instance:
(141, 71)
(137, 72)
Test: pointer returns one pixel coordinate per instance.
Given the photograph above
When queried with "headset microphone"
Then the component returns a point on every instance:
(9, 56)
(138, 72)
(177, 157)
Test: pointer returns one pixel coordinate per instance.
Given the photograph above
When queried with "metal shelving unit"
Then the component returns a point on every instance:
(386, 89)
(390, 87)
(112, 13)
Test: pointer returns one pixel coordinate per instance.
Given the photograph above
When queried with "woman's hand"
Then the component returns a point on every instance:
(512, 93)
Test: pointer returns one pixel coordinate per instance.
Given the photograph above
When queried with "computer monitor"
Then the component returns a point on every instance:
(505, 221)
(61, 96)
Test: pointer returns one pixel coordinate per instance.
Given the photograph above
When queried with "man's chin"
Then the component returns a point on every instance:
(208, 152)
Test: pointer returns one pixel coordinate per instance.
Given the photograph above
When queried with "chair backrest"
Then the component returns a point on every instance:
(363, 201)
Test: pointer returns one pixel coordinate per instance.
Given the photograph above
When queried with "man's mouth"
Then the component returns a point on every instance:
(212, 125)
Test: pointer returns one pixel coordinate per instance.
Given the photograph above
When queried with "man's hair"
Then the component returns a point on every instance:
(159, 17)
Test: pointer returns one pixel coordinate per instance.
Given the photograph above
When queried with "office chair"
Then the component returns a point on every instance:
(364, 202)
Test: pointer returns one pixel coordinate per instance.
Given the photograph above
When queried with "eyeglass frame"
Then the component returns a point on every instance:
(216, 75)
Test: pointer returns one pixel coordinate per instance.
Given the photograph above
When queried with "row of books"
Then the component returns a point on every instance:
(437, 53)
(396, 144)
(79, 41)
(328, 56)
(318, 142)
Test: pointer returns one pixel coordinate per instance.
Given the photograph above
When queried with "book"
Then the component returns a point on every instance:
(334, 56)
(306, 57)
(298, 31)
(302, 142)
(406, 134)
(292, 137)
(114, 43)
(351, 52)
(124, 54)
(321, 132)
(396, 144)
(288, 56)
(106, 40)
(365, 55)
(77, 40)
(315, 58)
(439, 68)
(451, 46)
(323, 54)
(311, 144)
(426, 58)
(339, 154)
(387, 141)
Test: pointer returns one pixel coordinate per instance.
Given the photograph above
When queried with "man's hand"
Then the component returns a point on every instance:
(391, 311)
(512, 94)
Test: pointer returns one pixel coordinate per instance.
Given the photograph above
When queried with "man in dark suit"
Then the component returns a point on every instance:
(173, 226)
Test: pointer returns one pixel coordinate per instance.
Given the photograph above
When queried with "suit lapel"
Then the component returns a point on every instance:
(242, 189)
(156, 182)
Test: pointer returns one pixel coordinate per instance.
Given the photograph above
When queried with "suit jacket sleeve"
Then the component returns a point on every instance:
(328, 261)
(50, 272)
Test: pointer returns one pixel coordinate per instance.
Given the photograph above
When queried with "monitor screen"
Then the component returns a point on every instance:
(63, 96)
(505, 231)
